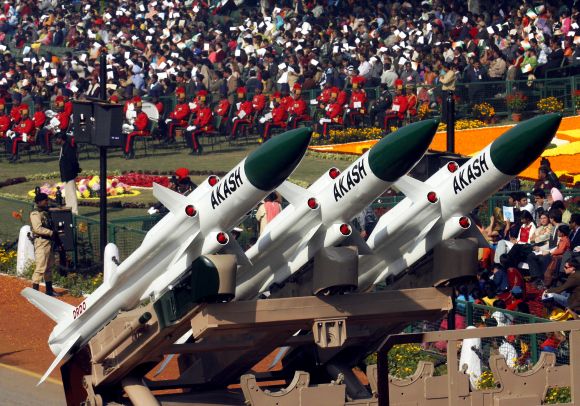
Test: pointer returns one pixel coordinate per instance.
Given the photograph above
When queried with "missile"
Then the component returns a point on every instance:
(196, 224)
(319, 216)
(438, 209)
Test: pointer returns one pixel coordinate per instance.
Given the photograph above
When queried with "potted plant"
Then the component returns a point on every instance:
(517, 102)
(483, 111)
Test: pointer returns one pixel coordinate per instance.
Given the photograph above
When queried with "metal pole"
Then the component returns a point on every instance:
(451, 314)
(450, 101)
(103, 161)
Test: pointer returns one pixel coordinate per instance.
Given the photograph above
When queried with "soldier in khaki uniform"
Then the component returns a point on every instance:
(43, 238)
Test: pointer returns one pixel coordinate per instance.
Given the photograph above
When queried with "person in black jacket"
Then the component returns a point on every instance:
(69, 169)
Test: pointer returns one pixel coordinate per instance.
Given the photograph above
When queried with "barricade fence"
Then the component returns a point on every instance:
(526, 349)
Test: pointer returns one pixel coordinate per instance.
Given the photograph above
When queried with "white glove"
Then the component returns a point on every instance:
(10, 133)
(263, 120)
(168, 120)
(152, 210)
(24, 137)
(191, 128)
(127, 128)
(49, 113)
(54, 122)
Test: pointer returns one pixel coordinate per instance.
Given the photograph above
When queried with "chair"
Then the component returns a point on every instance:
(29, 145)
(144, 138)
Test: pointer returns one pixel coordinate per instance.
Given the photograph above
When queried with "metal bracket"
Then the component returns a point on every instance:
(329, 333)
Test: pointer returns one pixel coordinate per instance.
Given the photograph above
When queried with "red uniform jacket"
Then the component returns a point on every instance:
(342, 98)
(259, 102)
(4, 124)
(402, 102)
(39, 119)
(298, 107)
(279, 115)
(181, 112)
(25, 126)
(334, 112)
(247, 108)
(141, 122)
(68, 108)
(15, 114)
(159, 107)
(358, 96)
(222, 108)
(287, 101)
(324, 96)
(64, 120)
(203, 118)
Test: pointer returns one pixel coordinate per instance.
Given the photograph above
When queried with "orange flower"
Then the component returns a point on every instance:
(17, 215)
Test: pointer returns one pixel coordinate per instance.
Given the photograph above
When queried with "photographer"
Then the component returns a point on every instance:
(44, 236)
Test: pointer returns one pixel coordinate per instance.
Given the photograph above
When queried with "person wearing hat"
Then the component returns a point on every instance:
(279, 116)
(411, 99)
(68, 105)
(42, 134)
(43, 234)
(324, 97)
(137, 126)
(222, 110)
(201, 124)
(334, 113)
(69, 169)
(179, 117)
(358, 100)
(398, 108)
(22, 132)
(258, 101)
(518, 302)
(243, 116)
(15, 111)
(298, 110)
(5, 122)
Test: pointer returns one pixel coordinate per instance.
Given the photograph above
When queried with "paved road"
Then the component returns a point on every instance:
(18, 388)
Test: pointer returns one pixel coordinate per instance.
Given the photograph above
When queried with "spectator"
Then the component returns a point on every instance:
(268, 210)
(500, 278)
(568, 294)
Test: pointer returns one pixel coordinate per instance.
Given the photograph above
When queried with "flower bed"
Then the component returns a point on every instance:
(348, 135)
(142, 180)
(90, 188)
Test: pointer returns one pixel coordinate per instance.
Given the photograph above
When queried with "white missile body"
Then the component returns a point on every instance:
(196, 225)
(318, 217)
(437, 209)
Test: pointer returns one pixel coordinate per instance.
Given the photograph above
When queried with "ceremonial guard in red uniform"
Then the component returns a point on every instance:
(298, 110)
(137, 126)
(179, 116)
(399, 107)
(334, 112)
(243, 116)
(201, 124)
(22, 132)
(279, 116)
(358, 100)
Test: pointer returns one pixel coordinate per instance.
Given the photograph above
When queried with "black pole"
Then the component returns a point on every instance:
(103, 161)
(451, 314)
(450, 104)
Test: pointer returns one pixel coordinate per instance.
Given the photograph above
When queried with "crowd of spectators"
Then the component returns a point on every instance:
(419, 48)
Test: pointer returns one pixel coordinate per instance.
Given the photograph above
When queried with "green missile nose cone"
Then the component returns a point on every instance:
(269, 165)
(520, 146)
(397, 153)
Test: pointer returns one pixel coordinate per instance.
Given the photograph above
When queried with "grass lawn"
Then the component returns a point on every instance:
(158, 159)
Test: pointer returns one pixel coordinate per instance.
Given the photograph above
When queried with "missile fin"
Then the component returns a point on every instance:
(53, 308)
(170, 199)
(234, 248)
(412, 188)
(64, 353)
(293, 193)
(422, 235)
(355, 239)
(473, 232)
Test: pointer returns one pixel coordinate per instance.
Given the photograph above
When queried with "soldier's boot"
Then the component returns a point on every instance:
(35, 286)
(50, 291)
